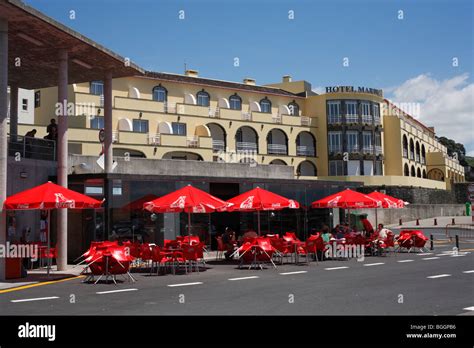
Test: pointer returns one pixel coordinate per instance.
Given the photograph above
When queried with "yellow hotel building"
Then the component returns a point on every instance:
(345, 134)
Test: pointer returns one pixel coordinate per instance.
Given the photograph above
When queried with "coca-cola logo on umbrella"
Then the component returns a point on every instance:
(179, 203)
(63, 202)
(248, 203)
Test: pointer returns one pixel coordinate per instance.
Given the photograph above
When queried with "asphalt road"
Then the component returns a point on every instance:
(376, 286)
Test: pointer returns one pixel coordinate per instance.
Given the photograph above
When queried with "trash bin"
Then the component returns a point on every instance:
(468, 209)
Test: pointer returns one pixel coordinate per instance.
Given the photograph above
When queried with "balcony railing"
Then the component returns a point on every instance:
(352, 119)
(170, 108)
(246, 116)
(367, 119)
(276, 119)
(335, 148)
(368, 149)
(218, 145)
(154, 139)
(115, 136)
(334, 119)
(277, 149)
(412, 155)
(423, 160)
(405, 153)
(27, 147)
(417, 158)
(353, 148)
(378, 149)
(305, 121)
(246, 146)
(192, 141)
(303, 150)
(377, 120)
(214, 112)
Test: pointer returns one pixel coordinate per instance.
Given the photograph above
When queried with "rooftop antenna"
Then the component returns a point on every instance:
(185, 66)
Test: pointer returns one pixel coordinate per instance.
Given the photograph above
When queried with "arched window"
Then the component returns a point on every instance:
(160, 94)
(417, 152)
(306, 168)
(423, 154)
(413, 173)
(424, 174)
(406, 170)
(294, 108)
(418, 172)
(266, 105)
(405, 146)
(235, 102)
(412, 149)
(203, 98)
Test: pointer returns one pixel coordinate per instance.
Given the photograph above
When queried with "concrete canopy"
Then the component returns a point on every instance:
(36, 39)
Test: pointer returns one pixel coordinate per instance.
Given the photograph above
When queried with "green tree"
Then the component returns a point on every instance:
(454, 147)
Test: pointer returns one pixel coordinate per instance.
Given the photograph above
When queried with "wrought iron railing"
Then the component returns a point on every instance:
(303, 150)
(277, 149)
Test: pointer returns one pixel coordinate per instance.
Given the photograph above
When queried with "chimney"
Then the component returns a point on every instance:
(191, 73)
(249, 81)
(286, 78)
(431, 129)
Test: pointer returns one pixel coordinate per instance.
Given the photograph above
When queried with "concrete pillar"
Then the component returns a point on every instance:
(62, 157)
(13, 111)
(3, 134)
(108, 152)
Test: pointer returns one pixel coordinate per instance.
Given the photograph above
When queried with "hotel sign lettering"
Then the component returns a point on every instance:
(352, 89)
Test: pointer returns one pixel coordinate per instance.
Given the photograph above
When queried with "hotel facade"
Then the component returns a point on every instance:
(346, 134)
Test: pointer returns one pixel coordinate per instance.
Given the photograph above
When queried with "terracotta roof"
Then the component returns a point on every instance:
(219, 83)
(428, 129)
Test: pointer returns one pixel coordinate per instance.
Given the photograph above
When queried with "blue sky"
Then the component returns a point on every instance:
(383, 51)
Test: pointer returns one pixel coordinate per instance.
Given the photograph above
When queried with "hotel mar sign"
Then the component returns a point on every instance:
(352, 89)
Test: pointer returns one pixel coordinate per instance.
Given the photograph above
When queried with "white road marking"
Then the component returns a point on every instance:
(113, 291)
(184, 284)
(252, 277)
(430, 258)
(35, 299)
(457, 255)
(297, 272)
(405, 261)
(423, 254)
(439, 276)
(374, 264)
(471, 271)
(469, 308)
(442, 255)
(334, 268)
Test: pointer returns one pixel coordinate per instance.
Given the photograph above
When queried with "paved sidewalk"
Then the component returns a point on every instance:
(429, 223)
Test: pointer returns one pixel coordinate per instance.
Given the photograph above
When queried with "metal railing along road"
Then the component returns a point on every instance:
(461, 230)
(28, 147)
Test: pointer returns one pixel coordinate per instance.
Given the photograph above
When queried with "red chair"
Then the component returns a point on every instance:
(290, 236)
(282, 247)
(191, 257)
(145, 253)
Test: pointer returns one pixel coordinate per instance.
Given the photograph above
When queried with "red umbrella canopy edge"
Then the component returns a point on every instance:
(188, 199)
(346, 199)
(50, 196)
(260, 199)
(387, 200)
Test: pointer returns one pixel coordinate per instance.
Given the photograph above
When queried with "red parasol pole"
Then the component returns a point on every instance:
(189, 223)
(258, 219)
(48, 248)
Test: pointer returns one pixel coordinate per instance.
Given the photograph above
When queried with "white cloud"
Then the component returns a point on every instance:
(448, 105)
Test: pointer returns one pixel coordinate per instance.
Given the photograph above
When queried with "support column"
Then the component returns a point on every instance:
(13, 111)
(62, 157)
(3, 134)
(108, 152)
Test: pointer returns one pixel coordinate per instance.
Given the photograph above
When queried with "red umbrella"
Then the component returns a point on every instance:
(260, 199)
(346, 199)
(138, 204)
(187, 199)
(50, 196)
(387, 202)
